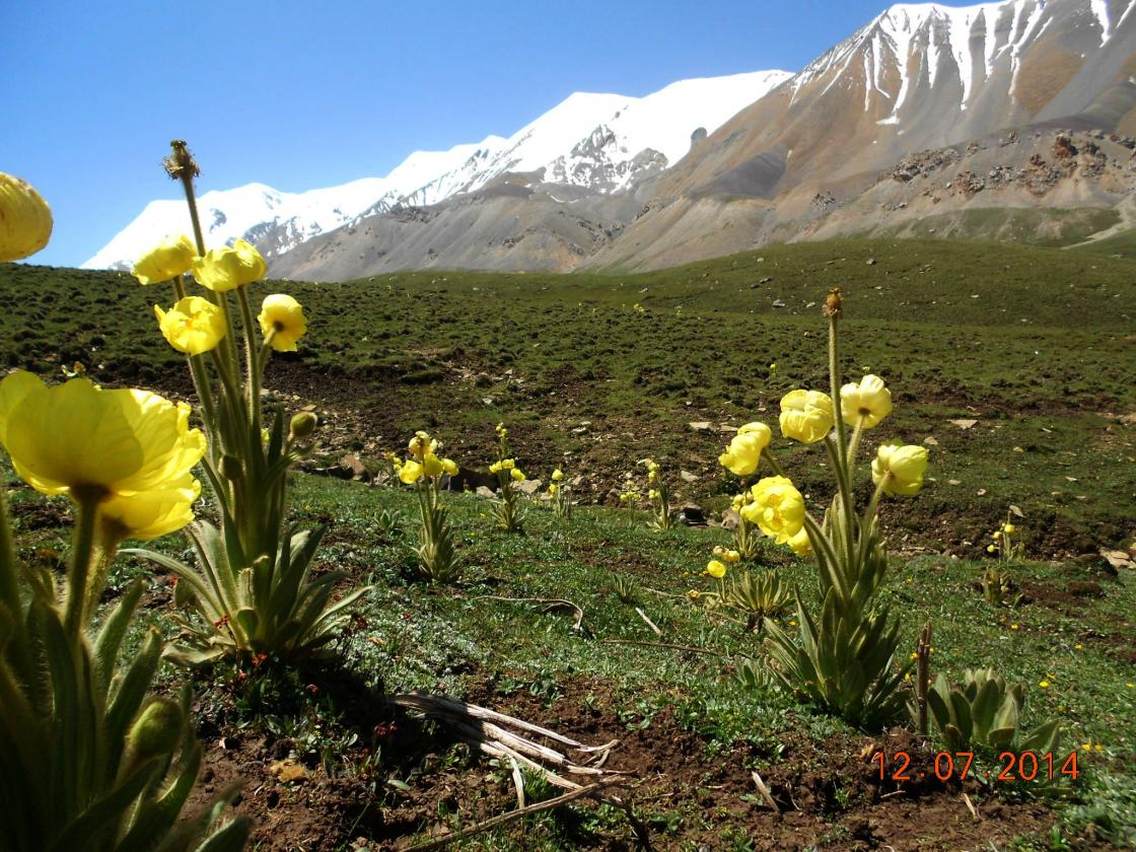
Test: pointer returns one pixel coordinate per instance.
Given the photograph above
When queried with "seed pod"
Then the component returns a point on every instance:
(302, 425)
(25, 219)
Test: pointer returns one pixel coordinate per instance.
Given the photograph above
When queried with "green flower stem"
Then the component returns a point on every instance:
(834, 386)
(191, 199)
(254, 367)
(201, 384)
(774, 464)
(229, 348)
(82, 553)
(854, 446)
(844, 487)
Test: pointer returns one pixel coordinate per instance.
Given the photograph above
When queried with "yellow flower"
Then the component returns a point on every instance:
(744, 452)
(1044, 684)
(991, 548)
(194, 325)
(728, 556)
(225, 269)
(900, 467)
(421, 444)
(149, 514)
(171, 258)
(450, 466)
(25, 219)
(432, 465)
(778, 508)
(652, 494)
(129, 451)
(282, 321)
(806, 415)
(517, 474)
(800, 543)
(715, 569)
(410, 472)
(503, 464)
(1009, 529)
(869, 400)
(553, 489)
(558, 475)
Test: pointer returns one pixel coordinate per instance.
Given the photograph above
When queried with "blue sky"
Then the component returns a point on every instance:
(301, 95)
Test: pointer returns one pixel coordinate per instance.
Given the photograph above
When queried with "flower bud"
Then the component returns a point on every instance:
(25, 219)
(156, 731)
(302, 425)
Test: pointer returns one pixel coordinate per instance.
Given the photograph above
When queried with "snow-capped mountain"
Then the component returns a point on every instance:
(601, 142)
(985, 86)
(274, 220)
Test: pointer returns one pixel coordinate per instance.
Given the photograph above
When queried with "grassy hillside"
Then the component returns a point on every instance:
(593, 372)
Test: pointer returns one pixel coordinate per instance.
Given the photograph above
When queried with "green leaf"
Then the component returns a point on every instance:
(110, 636)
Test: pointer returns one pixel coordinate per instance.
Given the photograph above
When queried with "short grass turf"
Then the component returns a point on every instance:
(595, 371)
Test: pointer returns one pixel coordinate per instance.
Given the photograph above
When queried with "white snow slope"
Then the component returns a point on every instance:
(600, 141)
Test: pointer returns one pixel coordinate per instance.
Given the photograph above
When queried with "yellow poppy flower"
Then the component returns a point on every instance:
(450, 466)
(553, 489)
(194, 325)
(900, 467)
(25, 219)
(99, 445)
(800, 543)
(778, 508)
(282, 321)
(432, 465)
(225, 269)
(410, 472)
(171, 258)
(744, 452)
(558, 475)
(149, 514)
(806, 415)
(517, 474)
(869, 400)
(716, 569)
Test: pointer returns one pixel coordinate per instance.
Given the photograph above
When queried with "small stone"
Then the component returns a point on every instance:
(777, 303)
(954, 482)
(482, 491)
(529, 486)
(700, 425)
(964, 424)
(687, 476)
(931, 441)
(871, 261)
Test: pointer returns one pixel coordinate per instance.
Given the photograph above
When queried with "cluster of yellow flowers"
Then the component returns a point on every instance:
(723, 559)
(195, 325)
(509, 465)
(554, 486)
(1002, 533)
(774, 504)
(424, 460)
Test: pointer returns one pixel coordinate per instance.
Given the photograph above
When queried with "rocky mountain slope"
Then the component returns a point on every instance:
(597, 142)
(919, 78)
